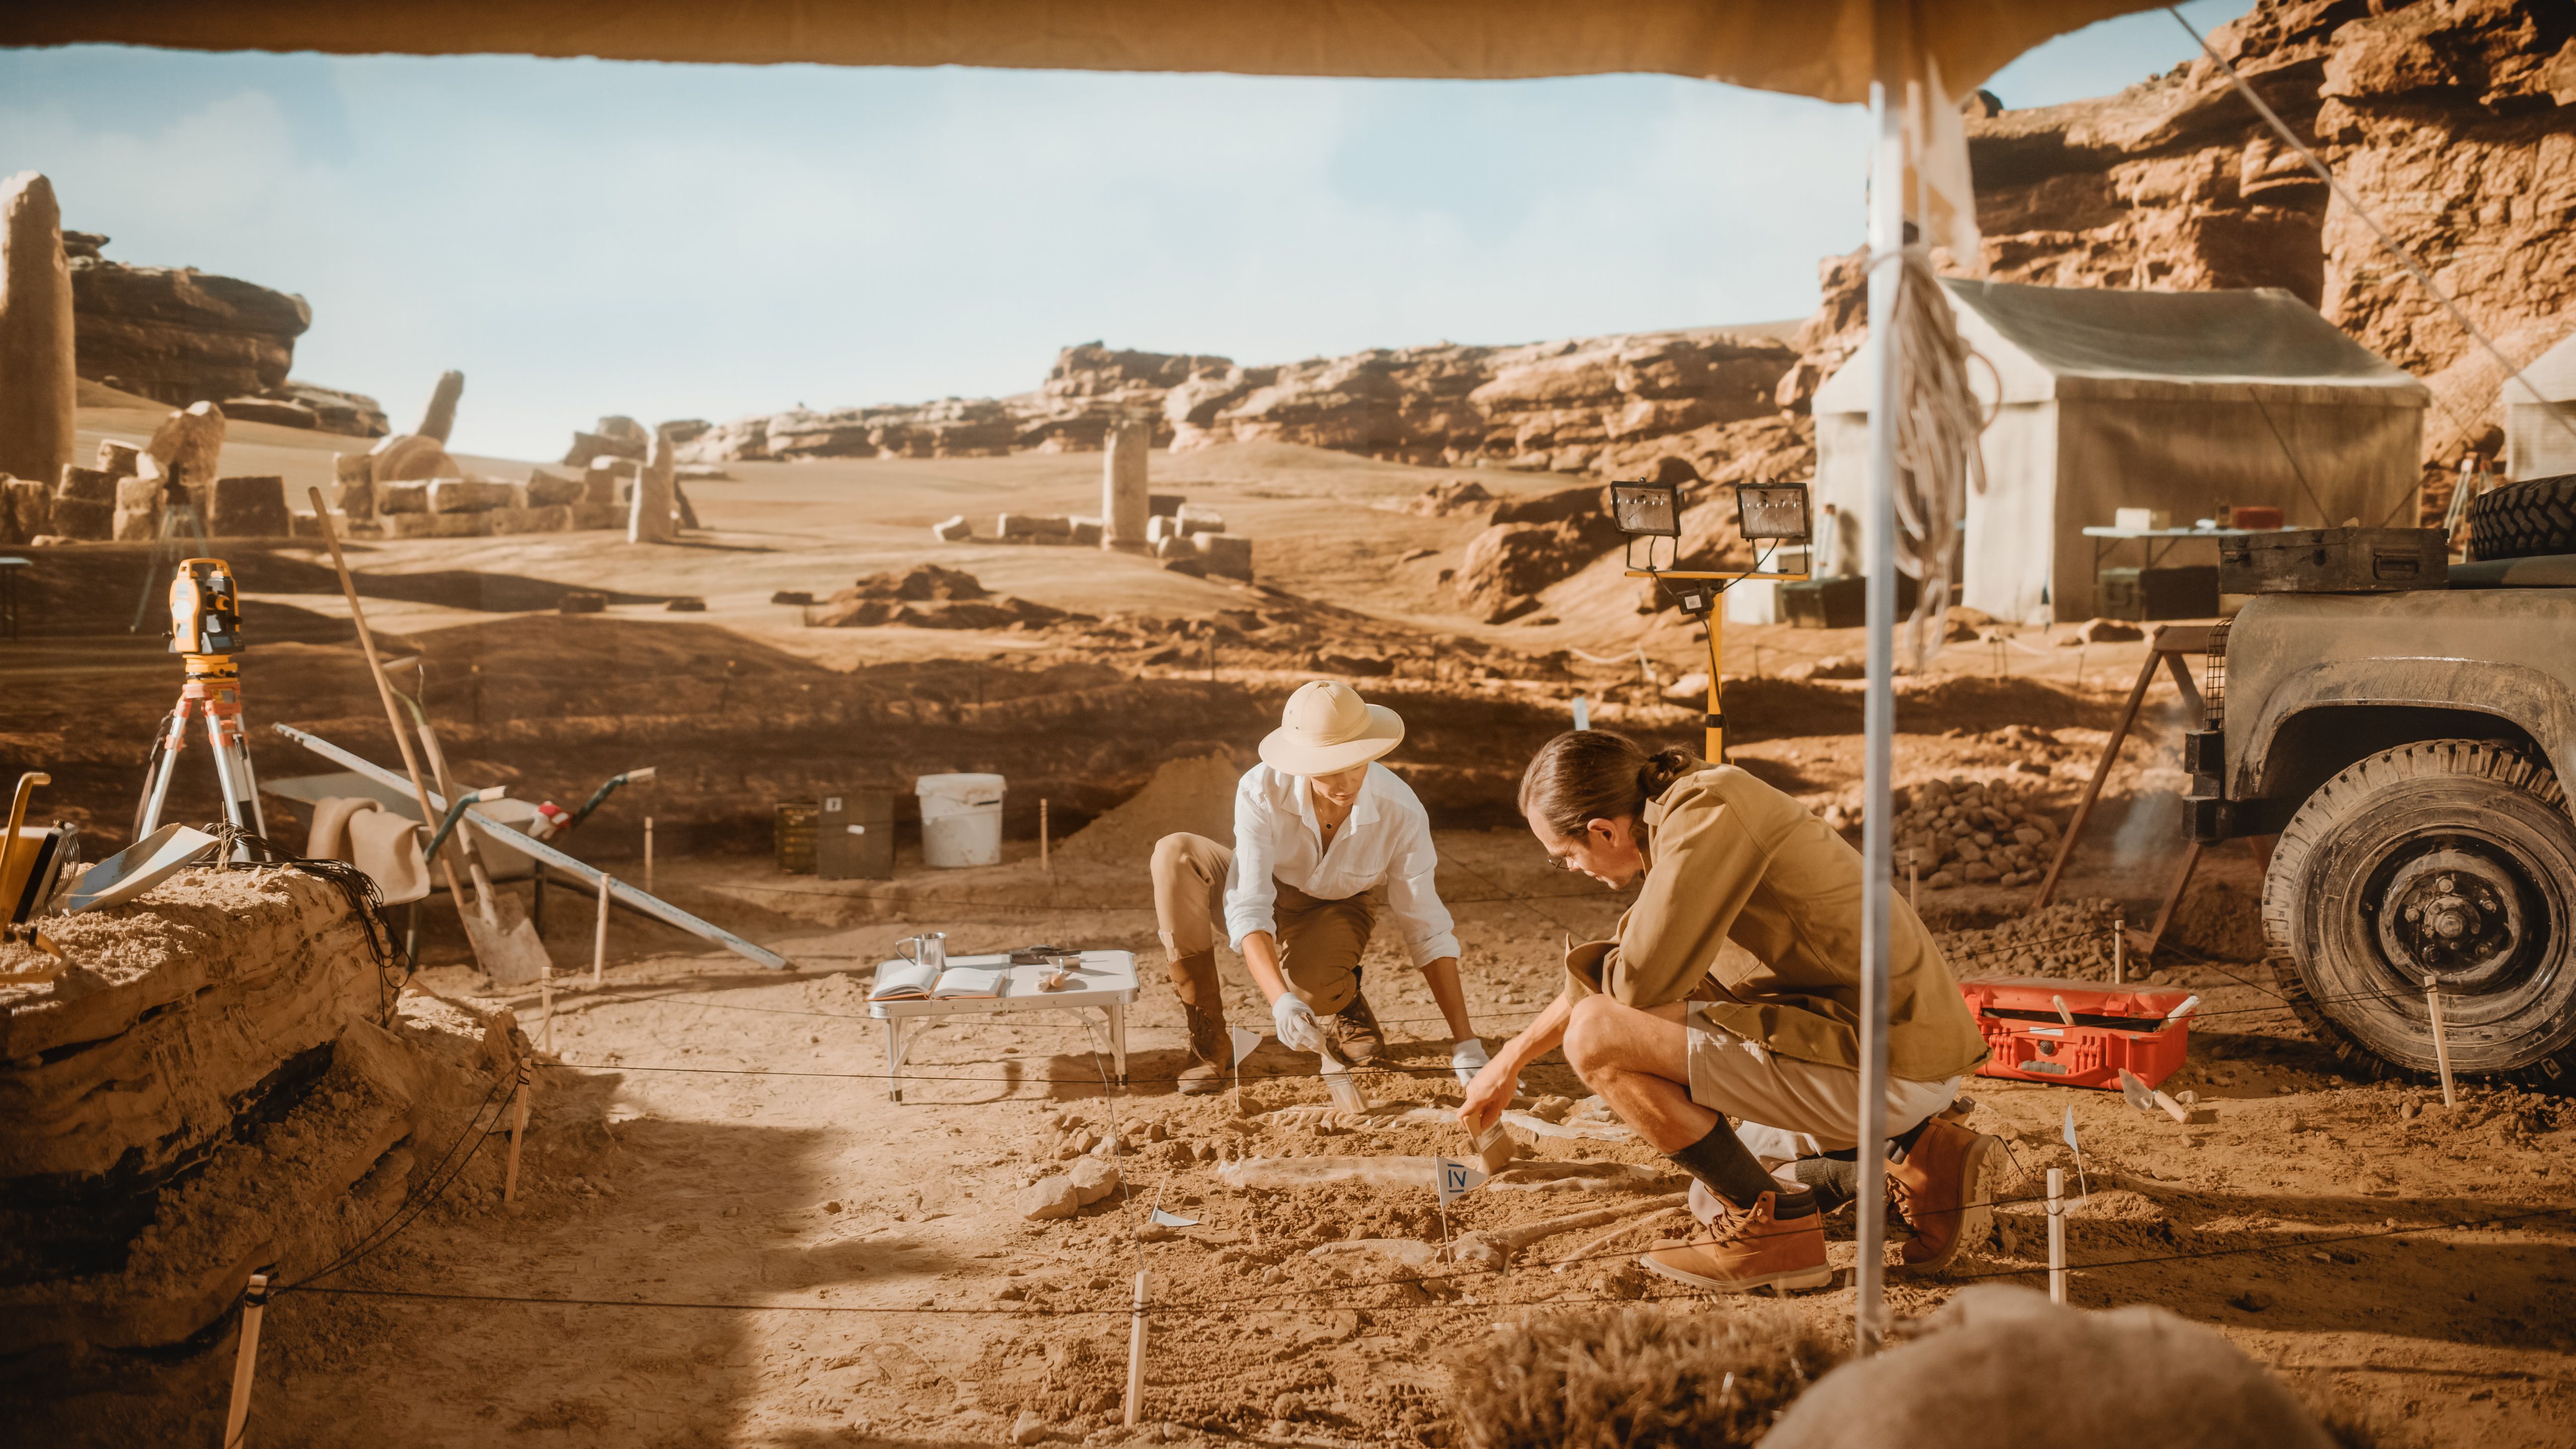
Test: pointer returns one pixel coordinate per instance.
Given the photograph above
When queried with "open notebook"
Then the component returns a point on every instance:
(901, 980)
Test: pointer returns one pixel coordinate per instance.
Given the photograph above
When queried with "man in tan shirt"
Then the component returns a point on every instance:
(1732, 989)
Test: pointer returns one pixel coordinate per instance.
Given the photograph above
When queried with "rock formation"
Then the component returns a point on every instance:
(180, 336)
(37, 385)
(439, 418)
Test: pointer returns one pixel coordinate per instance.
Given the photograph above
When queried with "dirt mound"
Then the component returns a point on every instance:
(918, 583)
(1635, 1376)
(2070, 939)
(1194, 795)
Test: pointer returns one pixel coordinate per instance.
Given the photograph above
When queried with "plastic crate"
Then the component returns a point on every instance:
(2115, 1027)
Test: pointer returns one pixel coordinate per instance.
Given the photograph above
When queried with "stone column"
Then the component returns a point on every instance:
(440, 419)
(1123, 504)
(38, 389)
(648, 514)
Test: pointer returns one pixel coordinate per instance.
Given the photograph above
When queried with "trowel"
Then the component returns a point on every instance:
(1338, 1081)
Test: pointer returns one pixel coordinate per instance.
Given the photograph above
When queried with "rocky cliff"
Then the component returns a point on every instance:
(181, 336)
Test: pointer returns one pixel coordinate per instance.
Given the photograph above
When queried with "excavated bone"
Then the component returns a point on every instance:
(1493, 1247)
(1591, 1246)
(1592, 1131)
(1411, 1252)
(1275, 1174)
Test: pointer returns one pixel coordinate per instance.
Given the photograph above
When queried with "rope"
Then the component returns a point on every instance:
(419, 1199)
(1937, 422)
(366, 899)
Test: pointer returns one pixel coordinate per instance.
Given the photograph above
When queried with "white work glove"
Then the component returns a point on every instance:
(1467, 1058)
(1295, 1021)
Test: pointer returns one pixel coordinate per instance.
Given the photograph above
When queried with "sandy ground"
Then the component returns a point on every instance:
(823, 1266)
(833, 1268)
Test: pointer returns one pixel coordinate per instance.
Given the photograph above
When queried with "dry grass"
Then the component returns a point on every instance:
(1635, 1378)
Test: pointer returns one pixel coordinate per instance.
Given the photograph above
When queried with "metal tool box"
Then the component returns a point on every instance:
(2335, 561)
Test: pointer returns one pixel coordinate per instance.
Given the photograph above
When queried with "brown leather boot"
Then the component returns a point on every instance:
(1941, 1188)
(1354, 1033)
(1746, 1250)
(1203, 1007)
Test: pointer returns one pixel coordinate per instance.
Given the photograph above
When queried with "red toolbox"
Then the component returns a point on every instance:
(2142, 1028)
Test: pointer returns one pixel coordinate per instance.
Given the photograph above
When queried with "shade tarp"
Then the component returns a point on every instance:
(2171, 401)
(1820, 48)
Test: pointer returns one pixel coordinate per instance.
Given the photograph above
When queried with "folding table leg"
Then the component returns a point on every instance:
(1118, 1039)
(894, 1058)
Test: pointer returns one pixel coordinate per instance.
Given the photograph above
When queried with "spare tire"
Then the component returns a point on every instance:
(2524, 520)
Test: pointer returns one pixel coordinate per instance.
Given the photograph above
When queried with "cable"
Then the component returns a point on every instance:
(419, 1199)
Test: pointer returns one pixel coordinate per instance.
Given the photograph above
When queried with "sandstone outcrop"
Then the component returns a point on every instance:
(37, 383)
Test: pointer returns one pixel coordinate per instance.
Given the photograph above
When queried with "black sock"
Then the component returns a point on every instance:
(1723, 1165)
(1834, 1178)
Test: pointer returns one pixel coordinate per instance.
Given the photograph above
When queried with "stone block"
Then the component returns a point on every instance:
(252, 506)
(138, 493)
(1226, 555)
(30, 509)
(553, 518)
(402, 498)
(954, 529)
(1199, 518)
(1053, 526)
(411, 458)
(598, 515)
(137, 525)
(1159, 529)
(1163, 505)
(122, 459)
(598, 485)
(1087, 533)
(473, 495)
(437, 525)
(84, 521)
(548, 489)
(86, 485)
(305, 525)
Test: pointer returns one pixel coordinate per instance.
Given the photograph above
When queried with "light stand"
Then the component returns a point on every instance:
(1775, 513)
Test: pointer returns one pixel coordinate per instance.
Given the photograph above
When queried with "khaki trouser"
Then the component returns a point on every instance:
(1319, 941)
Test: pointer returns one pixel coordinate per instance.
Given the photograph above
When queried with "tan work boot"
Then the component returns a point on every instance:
(1941, 1189)
(1354, 1034)
(1203, 1007)
(1746, 1250)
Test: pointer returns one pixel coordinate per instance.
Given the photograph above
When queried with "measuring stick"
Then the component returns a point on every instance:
(1136, 1353)
(599, 940)
(2057, 1235)
(2441, 1039)
(246, 1357)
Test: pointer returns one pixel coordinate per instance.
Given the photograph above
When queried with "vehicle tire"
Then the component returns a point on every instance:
(2524, 520)
(2449, 858)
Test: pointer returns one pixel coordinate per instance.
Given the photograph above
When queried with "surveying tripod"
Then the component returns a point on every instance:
(178, 510)
(205, 626)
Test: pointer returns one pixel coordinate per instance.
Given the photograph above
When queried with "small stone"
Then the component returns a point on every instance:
(831, 1207)
(2252, 1300)
(2410, 1110)
(1028, 1428)
(1053, 1197)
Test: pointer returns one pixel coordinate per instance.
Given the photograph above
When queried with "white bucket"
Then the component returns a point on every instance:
(961, 819)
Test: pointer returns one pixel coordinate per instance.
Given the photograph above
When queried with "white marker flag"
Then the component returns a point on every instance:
(1246, 1042)
(1457, 1179)
(2078, 1149)
(1173, 1220)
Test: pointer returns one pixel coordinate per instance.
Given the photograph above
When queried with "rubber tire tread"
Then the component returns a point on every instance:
(2323, 809)
(2529, 519)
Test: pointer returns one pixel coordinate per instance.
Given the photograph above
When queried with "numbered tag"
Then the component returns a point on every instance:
(1457, 1179)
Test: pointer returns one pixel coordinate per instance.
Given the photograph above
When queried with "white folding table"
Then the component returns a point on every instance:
(1105, 981)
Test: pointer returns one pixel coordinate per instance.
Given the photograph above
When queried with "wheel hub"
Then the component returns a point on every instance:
(2455, 914)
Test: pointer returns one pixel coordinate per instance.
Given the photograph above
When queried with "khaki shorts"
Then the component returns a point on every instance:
(1791, 1108)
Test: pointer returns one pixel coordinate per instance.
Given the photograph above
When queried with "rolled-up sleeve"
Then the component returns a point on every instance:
(1413, 897)
(1251, 894)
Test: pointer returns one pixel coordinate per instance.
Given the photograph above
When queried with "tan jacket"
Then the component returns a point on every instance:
(1728, 857)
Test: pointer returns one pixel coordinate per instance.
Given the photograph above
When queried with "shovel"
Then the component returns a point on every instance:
(503, 937)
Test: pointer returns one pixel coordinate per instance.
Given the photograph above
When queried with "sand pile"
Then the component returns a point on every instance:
(1195, 795)
(2070, 939)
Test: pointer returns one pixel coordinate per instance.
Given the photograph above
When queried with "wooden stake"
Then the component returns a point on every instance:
(1913, 884)
(2441, 1039)
(1044, 863)
(2057, 1235)
(599, 942)
(2119, 947)
(648, 855)
(518, 1126)
(1136, 1353)
(246, 1357)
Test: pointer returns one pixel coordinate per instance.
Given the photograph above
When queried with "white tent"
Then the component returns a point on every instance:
(2535, 445)
(2175, 401)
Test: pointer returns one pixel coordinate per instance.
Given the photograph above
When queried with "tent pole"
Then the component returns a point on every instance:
(1886, 239)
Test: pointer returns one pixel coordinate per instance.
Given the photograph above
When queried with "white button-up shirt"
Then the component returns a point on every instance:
(1385, 842)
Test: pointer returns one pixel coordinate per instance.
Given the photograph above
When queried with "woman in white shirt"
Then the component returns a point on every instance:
(1318, 828)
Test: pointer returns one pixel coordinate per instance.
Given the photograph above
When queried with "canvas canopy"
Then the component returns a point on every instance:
(2535, 444)
(1820, 49)
(2176, 401)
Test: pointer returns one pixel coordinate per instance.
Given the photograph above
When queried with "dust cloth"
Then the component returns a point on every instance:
(376, 840)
